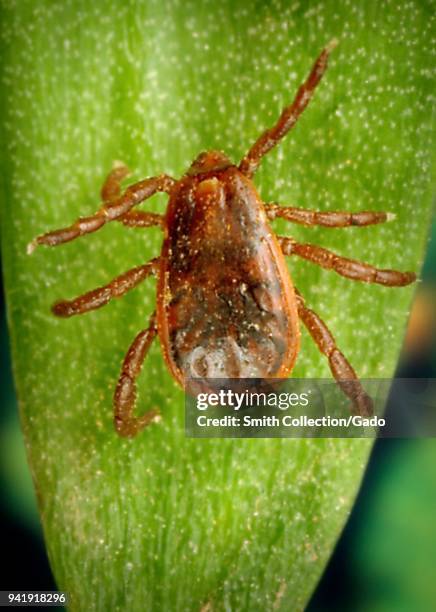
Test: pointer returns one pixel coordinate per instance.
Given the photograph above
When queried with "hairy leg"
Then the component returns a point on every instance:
(341, 369)
(140, 218)
(100, 297)
(111, 210)
(126, 424)
(289, 116)
(351, 268)
(111, 190)
(303, 216)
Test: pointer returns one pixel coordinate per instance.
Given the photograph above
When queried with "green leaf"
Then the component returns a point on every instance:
(162, 522)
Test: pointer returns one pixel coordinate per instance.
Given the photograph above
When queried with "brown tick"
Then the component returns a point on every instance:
(226, 306)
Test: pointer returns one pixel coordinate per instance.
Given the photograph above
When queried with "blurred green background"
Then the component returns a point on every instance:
(385, 559)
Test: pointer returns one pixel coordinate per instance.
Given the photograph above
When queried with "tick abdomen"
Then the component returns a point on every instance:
(226, 306)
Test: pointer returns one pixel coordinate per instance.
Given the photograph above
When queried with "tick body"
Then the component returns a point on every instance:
(226, 306)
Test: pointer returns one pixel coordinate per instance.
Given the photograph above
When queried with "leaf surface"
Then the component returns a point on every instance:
(162, 522)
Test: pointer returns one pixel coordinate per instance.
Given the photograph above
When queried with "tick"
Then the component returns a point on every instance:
(226, 306)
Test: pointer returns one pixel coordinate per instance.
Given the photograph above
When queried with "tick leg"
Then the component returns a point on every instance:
(111, 190)
(100, 297)
(289, 116)
(356, 270)
(125, 423)
(341, 369)
(110, 211)
(326, 219)
(139, 218)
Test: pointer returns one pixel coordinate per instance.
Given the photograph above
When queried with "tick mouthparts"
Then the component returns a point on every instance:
(390, 216)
